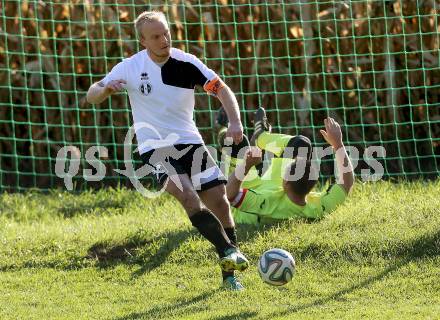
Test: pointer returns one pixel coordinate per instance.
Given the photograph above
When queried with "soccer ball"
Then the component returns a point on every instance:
(276, 267)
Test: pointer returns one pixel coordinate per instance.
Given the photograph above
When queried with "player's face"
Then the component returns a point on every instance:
(157, 40)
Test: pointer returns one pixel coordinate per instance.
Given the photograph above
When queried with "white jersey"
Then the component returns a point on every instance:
(162, 98)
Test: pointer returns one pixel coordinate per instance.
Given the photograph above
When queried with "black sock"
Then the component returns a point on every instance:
(232, 235)
(211, 228)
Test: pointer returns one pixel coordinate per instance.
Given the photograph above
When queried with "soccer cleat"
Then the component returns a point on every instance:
(221, 124)
(221, 120)
(221, 136)
(234, 260)
(260, 125)
(231, 283)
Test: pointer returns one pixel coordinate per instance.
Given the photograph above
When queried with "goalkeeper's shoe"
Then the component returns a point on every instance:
(234, 260)
(221, 136)
(231, 283)
(260, 125)
(221, 120)
(221, 125)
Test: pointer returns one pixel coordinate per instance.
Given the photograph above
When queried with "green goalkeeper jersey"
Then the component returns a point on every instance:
(264, 199)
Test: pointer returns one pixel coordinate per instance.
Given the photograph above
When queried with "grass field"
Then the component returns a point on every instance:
(112, 254)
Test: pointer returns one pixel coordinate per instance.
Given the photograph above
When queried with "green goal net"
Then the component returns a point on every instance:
(372, 65)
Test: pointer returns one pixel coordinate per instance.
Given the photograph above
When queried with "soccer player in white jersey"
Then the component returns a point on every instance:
(160, 82)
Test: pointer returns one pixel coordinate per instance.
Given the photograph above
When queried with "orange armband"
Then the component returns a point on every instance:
(213, 87)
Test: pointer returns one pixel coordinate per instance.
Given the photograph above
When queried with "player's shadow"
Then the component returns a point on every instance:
(427, 246)
(138, 249)
(151, 252)
(184, 307)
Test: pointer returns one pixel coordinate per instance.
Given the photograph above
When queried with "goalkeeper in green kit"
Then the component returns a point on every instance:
(285, 189)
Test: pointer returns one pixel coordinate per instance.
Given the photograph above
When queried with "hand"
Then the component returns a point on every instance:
(332, 133)
(115, 86)
(235, 131)
(253, 156)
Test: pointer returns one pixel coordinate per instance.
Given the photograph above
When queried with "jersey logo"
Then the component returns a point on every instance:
(262, 204)
(144, 76)
(145, 88)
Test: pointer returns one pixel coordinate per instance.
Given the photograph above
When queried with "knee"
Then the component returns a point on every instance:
(218, 199)
(221, 202)
(190, 201)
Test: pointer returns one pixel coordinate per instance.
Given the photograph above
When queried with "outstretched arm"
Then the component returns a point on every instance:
(333, 135)
(229, 102)
(252, 157)
(98, 92)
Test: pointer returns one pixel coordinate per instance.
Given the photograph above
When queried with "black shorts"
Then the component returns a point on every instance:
(192, 159)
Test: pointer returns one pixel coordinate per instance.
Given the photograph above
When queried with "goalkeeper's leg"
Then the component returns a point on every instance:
(281, 145)
(232, 153)
(284, 145)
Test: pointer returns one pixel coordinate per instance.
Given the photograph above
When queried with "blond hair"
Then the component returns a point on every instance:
(148, 16)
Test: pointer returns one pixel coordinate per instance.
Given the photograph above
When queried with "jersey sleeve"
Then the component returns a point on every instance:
(244, 218)
(118, 72)
(333, 198)
(244, 207)
(248, 201)
(206, 77)
(319, 204)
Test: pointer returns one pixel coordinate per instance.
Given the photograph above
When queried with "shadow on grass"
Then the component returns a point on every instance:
(150, 253)
(180, 307)
(72, 209)
(427, 246)
(185, 307)
(139, 249)
(237, 316)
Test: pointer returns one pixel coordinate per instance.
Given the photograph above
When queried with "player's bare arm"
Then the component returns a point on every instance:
(333, 135)
(98, 92)
(252, 157)
(229, 102)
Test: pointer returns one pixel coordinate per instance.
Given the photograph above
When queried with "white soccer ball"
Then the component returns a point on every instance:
(276, 267)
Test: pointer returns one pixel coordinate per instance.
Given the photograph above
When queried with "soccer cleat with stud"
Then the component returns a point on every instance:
(234, 260)
(231, 283)
(260, 125)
